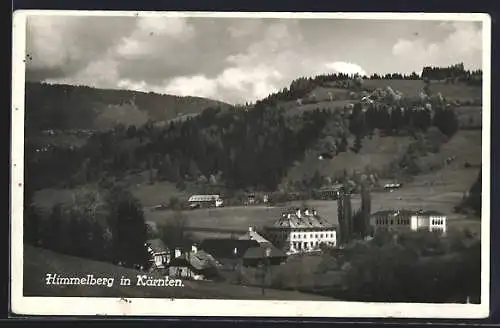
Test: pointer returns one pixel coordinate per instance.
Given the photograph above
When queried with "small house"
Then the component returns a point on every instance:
(159, 256)
(194, 265)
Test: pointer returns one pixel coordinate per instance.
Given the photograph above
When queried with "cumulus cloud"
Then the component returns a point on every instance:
(233, 60)
(60, 46)
(346, 68)
(463, 43)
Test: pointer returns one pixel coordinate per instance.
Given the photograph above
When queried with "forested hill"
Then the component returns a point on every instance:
(58, 106)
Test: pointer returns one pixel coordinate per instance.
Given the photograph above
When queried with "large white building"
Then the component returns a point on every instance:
(404, 220)
(301, 230)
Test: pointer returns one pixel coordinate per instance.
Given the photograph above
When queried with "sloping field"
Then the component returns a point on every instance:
(443, 189)
(239, 218)
(376, 153)
(149, 195)
(158, 193)
(38, 262)
(295, 109)
(470, 116)
(412, 88)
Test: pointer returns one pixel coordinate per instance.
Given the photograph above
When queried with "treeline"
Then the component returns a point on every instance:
(414, 267)
(452, 74)
(472, 200)
(106, 225)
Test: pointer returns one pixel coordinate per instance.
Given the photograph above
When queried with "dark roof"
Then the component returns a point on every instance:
(198, 261)
(202, 260)
(406, 212)
(157, 245)
(431, 213)
(252, 235)
(224, 247)
(311, 219)
(260, 252)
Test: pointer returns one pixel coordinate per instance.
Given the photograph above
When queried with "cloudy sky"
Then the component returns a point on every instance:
(235, 59)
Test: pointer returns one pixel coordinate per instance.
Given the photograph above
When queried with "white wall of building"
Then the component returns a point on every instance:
(415, 222)
(437, 223)
(306, 240)
(303, 240)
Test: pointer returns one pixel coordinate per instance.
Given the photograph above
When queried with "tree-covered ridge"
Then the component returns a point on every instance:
(59, 106)
(252, 148)
(452, 74)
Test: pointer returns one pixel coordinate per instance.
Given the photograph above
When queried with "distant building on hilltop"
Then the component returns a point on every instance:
(199, 201)
(301, 230)
(404, 220)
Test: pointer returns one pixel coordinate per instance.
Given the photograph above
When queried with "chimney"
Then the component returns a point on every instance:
(194, 249)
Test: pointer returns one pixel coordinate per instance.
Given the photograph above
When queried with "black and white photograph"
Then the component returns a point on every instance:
(250, 164)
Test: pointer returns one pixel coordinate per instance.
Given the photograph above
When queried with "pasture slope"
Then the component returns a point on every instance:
(438, 190)
(38, 262)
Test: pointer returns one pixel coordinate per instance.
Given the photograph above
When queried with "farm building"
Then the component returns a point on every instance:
(264, 251)
(227, 249)
(404, 220)
(330, 192)
(159, 254)
(392, 186)
(194, 265)
(234, 247)
(197, 201)
(263, 254)
(301, 230)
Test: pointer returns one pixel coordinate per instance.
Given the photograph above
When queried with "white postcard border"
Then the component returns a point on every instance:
(186, 307)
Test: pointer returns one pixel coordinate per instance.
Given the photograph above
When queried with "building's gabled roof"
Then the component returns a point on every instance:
(203, 198)
(157, 245)
(198, 261)
(407, 212)
(393, 212)
(434, 213)
(201, 260)
(252, 235)
(306, 218)
(335, 187)
(223, 248)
